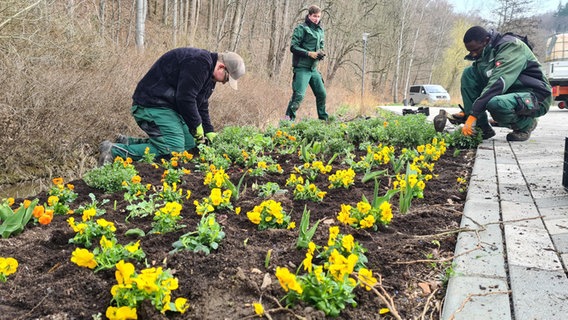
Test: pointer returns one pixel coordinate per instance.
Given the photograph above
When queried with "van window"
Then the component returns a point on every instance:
(415, 89)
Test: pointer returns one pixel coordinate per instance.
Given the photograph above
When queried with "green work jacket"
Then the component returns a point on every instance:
(508, 65)
(306, 37)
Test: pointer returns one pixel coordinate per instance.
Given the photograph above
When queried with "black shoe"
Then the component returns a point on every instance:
(518, 135)
(488, 133)
(105, 153)
(122, 139)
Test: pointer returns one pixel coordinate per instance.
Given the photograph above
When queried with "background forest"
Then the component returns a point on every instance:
(68, 67)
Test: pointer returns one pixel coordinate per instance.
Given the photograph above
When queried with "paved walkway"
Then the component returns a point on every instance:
(512, 261)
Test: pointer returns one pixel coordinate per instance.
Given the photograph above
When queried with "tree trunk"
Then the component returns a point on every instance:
(140, 24)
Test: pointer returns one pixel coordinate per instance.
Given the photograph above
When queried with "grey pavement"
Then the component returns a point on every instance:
(511, 259)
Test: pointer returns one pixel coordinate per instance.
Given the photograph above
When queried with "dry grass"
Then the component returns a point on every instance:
(53, 117)
(65, 89)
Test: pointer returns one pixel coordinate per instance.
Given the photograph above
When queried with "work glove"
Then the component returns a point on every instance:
(469, 126)
(199, 133)
(211, 136)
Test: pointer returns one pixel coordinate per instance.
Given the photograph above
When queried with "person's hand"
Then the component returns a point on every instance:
(211, 136)
(313, 55)
(469, 126)
(199, 132)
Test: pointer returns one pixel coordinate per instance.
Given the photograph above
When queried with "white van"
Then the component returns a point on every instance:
(432, 93)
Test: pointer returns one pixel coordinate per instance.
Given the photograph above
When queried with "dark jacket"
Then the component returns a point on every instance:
(508, 65)
(306, 37)
(181, 79)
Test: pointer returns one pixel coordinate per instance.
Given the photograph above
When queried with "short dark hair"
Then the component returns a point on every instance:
(313, 9)
(476, 33)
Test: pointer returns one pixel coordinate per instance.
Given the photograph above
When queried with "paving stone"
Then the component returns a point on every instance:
(538, 294)
(557, 226)
(470, 298)
(521, 214)
(515, 193)
(510, 174)
(559, 201)
(561, 243)
(481, 253)
(531, 248)
(489, 214)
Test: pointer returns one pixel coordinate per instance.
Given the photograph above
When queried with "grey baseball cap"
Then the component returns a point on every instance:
(235, 66)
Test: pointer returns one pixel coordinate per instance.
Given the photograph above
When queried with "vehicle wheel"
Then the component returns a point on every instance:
(411, 102)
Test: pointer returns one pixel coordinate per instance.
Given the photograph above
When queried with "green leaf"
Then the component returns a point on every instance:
(136, 232)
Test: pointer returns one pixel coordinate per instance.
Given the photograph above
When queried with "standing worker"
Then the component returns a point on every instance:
(505, 79)
(171, 103)
(306, 47)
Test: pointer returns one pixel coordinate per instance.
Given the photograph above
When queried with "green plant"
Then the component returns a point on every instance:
(308, 191)
(89, 229)
(269, 214)
(110, 177)
(368, 214)
(207, 237)
(60, 196)
(410, 185)
(342, 179)
(217, 200)
(140, 209)
(166, 219)
(306, 235)
(153, 284)
(266, 190)
(108, 254)
(14, 222)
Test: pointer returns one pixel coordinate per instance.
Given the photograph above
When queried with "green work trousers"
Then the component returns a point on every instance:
(515, 110)
(303, 77)
(167, 132)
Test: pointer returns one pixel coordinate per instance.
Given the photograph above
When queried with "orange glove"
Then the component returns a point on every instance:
(469, 126)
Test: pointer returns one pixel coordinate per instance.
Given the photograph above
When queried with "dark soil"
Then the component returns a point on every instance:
(225, 283)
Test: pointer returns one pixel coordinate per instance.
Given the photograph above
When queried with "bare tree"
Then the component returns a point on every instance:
(140, 23)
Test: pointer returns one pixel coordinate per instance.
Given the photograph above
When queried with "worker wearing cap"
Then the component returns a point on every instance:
(171, 103)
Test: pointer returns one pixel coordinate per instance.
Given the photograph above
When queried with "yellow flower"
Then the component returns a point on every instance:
(133, 247)
(83, 258)
(124, 272)
(368, 221)
(89, 213)
(237, 210)
(307, 262)
(121, 313)
(52, 200)
(57, 181)
(333, 232)
(291, 225)
(258, 309)
(106, 224)
(215, 196)
(105, 243)
(181, 305)
(363, 207)
(386, 212)
(8, 266)
(254, 216)
(288, 280)
(348, 242)
(366, 275)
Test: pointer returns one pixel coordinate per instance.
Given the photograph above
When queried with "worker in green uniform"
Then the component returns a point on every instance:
(171, 103)
(504, 79)
(307, 50)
